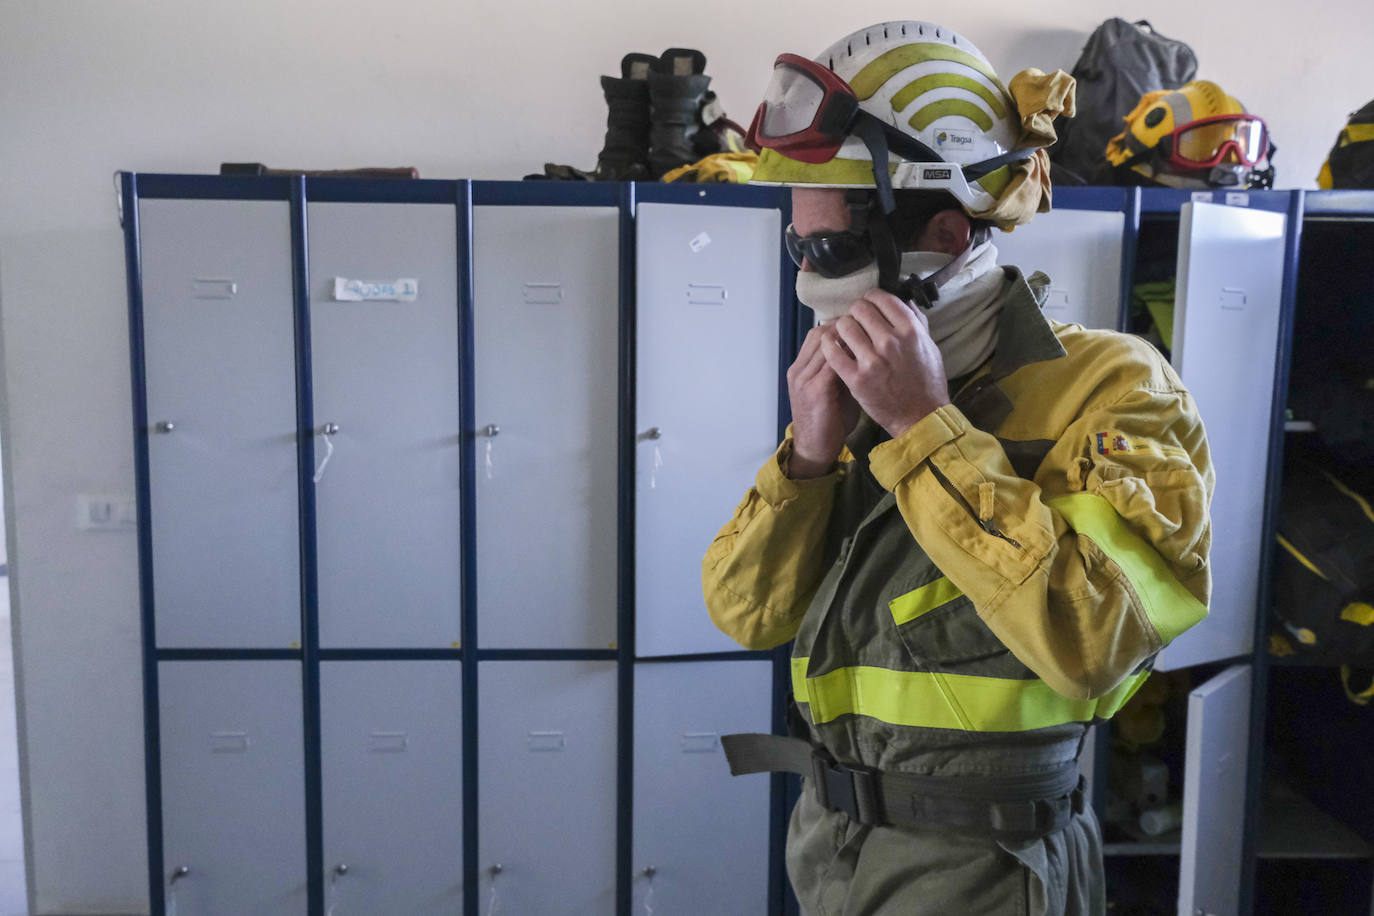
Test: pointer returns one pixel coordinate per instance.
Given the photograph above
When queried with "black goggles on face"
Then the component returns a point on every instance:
(830, 254)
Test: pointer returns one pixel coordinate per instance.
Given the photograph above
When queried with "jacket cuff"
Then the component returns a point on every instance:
(893, 460)
(777, 489)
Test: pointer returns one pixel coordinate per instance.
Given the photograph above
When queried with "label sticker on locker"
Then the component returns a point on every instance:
(404, 290)
(699, 242)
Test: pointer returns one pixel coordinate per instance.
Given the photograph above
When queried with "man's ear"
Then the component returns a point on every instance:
(948, 231)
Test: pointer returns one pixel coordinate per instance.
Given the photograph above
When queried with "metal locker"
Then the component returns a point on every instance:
(392, 777)
(1081, 252)
(546, 366)
(1214, 786)
(706, 404)
(384, 361)
(1226, 326)
(547, 783)
(233, 798)
(701, 836)
(219, 359)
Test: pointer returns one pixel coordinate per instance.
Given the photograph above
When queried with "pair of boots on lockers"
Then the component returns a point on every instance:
(659, 117)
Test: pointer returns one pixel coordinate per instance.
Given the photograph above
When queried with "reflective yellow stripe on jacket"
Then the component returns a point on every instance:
(927, 699)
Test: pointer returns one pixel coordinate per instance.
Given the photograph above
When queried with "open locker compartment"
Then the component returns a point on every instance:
(1316, 844)
(1208, 291)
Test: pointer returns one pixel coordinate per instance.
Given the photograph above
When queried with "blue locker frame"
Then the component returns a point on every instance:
(1136, 203)
(298, 192)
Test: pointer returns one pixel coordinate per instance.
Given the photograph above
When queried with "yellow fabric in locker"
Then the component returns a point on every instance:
(719, 168)
(1158, 299)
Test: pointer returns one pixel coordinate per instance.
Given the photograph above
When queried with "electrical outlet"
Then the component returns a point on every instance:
(105, 512)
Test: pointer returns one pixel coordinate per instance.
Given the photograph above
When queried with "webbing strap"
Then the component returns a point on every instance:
(1013, 807)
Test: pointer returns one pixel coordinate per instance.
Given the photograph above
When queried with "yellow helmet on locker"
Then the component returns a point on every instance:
(1193, 137)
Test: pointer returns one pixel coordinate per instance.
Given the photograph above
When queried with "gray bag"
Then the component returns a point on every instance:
(1120, 63)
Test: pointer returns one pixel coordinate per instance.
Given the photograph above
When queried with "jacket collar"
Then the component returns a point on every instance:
(1024, 336)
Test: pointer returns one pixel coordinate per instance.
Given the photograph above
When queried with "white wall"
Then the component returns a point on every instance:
(478, 89)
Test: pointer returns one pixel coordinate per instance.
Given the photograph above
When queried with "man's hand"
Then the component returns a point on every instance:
(824, 413)
(883, 352)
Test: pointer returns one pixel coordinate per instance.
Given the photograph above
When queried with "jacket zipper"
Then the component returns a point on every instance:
(990, 526)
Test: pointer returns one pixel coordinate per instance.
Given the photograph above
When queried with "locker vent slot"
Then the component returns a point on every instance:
(705, 294)
(229, 742)
(547, 741)
(388, 742)
(543, 293)
(700, 742)
(214, 288)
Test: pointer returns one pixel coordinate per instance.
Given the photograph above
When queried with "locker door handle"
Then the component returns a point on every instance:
(653, 432)
(164, 426)
(178, 874)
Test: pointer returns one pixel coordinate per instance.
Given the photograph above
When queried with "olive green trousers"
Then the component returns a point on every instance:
(839, 867)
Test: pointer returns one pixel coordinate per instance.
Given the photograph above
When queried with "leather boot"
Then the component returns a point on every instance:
(625, 153)
(677, 87)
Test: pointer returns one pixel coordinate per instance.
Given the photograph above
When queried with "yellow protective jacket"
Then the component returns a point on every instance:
(999, 574)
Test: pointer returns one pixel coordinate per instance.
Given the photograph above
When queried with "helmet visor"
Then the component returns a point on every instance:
(806, 112)
(1209, 141)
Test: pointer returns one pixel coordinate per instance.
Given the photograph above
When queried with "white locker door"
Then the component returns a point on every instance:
(701, 836)
(219, 353)
(547, 769)
(1214, 783)
(393, 780)
(706, 401)
(546, 369)
(233, 787)
(385, 376)
(1226, 327)
(1081, 252)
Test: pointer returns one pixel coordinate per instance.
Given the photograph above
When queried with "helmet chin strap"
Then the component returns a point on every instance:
(924, 291)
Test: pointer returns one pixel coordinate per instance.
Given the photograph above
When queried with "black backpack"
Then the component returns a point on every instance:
(1120, 63)
(1324, 567)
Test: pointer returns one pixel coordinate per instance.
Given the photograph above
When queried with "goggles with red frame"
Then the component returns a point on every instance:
(808, 112)
(1207, 142)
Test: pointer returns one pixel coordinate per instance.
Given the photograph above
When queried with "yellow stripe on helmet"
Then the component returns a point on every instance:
(908, 93)
(872, 77)
(947, 108)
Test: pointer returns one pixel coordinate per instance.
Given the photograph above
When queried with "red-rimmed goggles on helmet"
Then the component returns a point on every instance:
(808, 112)
(1207, 142)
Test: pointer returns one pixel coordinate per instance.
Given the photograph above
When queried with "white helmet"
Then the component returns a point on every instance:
(906, 105)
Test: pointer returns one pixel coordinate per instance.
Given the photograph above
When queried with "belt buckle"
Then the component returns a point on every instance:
(850, 790)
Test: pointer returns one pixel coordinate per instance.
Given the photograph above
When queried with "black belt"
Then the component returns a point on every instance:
(1011, 808)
